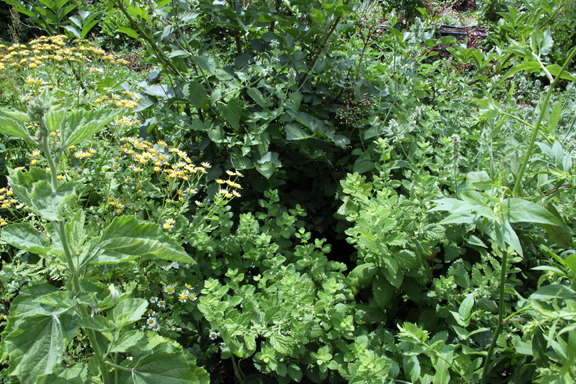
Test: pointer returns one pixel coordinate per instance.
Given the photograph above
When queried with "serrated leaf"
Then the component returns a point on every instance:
(257, 96)
(133, 341)
(195, 93)
(295, 132)
(75, 374)
(206, 63)
(230, 112)
(12, 127)
(383, 291)
(281, 343)
(479, 180)
(49, 203)
(129, 311)
(126, 239)
(37, 345)
(24, 236)
(531, 66)
(407, 259)
(159, 367)
(97, 323)
(80, 124)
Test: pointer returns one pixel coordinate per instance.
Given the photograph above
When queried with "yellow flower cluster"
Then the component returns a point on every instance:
(127, 122)
(174, 163)
(52, 48)
(8, 200)
(117, 101)
(229, 187)
(117, 205)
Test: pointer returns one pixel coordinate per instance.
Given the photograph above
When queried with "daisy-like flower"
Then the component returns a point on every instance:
(213, 335)
(198, 203)
(188, 286)
(162, 304)
(192, 297)
(170, 289)
(151, 321)
(151, 312)
(153, 299)
(223, 346)
(206, 165)
(183, 296)
(130, 358)
(156, 327)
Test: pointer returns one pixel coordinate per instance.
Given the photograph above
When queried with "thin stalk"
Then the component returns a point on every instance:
(61, 229)
(516, 191)
(486, 369)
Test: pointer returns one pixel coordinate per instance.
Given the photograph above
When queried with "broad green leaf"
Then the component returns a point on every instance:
(318, 16)
(407, 259)
(466, 307)
(281, 343)
(97, 323)
(196, 93)
(21, 182)
(55, 119)
(555, 115)
(58, 299)
(231, 113)
(159, 367)
(442, 375)
(295, 132)
(505, 234)
(75, 232)
(37, 345)
(133, 341)
(81, 124)
(75, 374)
(257, 96)
(383, 291)
(206, 63)
(129, 311)
(554, 291)
(12, 127)
(554, 69)
(479, 180)
(24, 236)
(531, 66)
(519, 210)
(13, 114)
(49, 203)
(361, 276)
(126, 239)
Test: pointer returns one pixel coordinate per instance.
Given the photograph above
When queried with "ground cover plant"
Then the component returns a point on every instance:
(304, 191)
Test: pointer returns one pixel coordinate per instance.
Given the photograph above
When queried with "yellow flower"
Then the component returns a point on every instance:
(30, 81)
(34, 162)
(98, 100)
(118, 211)
(32, 66)
(60, 177)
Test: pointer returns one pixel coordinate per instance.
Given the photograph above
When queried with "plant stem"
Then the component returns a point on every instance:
(486, 370)
(61, 229)
(516, 191)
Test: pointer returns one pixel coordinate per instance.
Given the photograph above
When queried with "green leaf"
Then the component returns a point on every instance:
(383, 291)
(24, 236)
(554, 69)
(133, 341)
(15, 115)
(12, 127)
(22, 182)
(55, 119)
(479, 180)
(196, 93)
(257, 96)
(318, 16)
(206, 63)
(75, 374)
(407, 259)
(37, 345)
(442, 375)
(519, 210)
(126, 239)
(97, 323)
(159, 367)
(129, 311)
(231, 113)
(281, 343)
(81, 124)
(295, 132)
(531, 66)
(554, 291)
(49, 203)
(555, 115)
(128, 31)
(466, 307)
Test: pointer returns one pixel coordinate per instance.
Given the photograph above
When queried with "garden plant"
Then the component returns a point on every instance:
(278, 191)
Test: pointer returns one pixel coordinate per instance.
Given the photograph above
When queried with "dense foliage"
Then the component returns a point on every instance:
(271, 191)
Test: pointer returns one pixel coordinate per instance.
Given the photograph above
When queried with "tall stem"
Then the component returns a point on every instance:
(61, 229)
(486, 369)
(516, 191)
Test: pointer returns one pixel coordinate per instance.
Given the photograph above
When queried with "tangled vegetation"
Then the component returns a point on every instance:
(288, 191)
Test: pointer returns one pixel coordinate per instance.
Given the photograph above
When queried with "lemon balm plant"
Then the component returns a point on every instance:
(44, 319)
